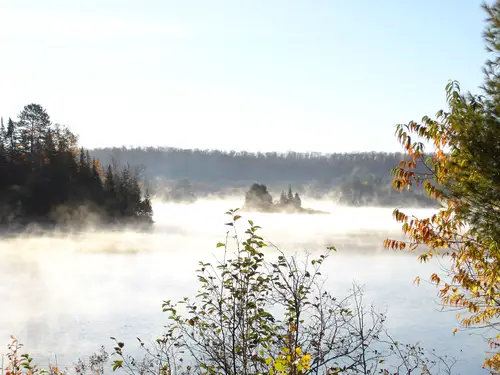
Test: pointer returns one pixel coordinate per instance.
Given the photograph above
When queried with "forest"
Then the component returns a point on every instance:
(349, 178)
(46, 178)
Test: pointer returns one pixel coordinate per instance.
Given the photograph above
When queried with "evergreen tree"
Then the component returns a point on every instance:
(50, 145)
(3, 136)
(123, 191)
(134, 196)
(146, 209)
(97, 190)
(110, 193)
(33, 125)
(283, 199)
(109, 181)
(297, 202)
(11, 136)
(258, 197)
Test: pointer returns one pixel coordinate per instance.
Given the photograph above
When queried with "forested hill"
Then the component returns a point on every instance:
(209, 165)
(350, 178)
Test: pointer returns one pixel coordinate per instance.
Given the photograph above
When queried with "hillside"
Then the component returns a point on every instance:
(183, 174)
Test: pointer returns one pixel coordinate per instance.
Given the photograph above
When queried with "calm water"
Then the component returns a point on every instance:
(68, 295)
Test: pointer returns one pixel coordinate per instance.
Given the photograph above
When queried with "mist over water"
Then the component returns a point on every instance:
(67, 294)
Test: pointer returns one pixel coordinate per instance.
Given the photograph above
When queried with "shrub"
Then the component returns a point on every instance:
(253, 316)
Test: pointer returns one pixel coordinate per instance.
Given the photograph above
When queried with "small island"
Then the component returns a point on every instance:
(259, 199)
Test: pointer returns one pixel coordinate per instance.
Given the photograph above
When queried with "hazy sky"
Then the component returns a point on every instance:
(309, 75)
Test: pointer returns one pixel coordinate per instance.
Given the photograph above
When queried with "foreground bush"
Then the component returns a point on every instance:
(254, 316)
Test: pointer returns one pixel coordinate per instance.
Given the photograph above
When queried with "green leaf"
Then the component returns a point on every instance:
(220, 244)
(117, 365)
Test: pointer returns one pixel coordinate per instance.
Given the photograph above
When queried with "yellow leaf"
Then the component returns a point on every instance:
(417, 280)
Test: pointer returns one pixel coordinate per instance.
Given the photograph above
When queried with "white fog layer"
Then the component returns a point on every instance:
(67, 295)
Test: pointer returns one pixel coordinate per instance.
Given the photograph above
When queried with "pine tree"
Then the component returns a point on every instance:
(134, 196)
(82, 160)
(146, 208)
(3, 137)
(297, 202)
(97, 189)
(109, 181)
(50, 145)
(283, 199)
(110, 193)
(11, 136)
(33, 125)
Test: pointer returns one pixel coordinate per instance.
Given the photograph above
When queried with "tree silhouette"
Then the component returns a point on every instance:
(33, 125)
(43, 173)
(258, 197)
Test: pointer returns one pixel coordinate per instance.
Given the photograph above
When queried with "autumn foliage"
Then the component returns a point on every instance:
(22, 364)
(455, 158)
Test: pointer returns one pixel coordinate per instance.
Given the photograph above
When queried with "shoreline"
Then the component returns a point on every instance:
(43, 227)
(300, 211)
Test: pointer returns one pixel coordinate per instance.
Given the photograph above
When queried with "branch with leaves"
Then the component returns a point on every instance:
(462, 173)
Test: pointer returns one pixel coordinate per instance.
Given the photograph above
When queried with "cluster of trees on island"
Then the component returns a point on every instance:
(46, 178)
(258, 198)
(290, 200)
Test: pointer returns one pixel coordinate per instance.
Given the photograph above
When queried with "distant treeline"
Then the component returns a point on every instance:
(362, 178)
(203, 165)
(46, 178)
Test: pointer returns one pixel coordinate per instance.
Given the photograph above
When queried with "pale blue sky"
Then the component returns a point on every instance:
(309, 75)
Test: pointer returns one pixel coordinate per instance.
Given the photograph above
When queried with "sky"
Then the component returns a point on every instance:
(258, 75)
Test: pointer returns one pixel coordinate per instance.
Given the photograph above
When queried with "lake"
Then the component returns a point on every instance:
(66, 295)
